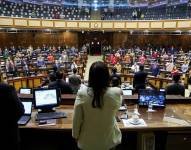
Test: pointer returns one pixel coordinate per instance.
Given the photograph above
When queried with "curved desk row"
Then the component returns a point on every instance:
(168, 128)
(157, 82)
(26, 82)
(68, 99)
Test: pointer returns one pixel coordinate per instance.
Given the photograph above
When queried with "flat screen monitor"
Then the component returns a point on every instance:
(25, 91)
(156, 97)
(46, 98)
(127, 92)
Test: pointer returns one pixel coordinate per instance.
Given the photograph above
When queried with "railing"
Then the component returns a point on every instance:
(98, 25)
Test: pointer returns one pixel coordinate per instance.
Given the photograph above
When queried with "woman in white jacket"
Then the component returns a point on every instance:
(94, 123)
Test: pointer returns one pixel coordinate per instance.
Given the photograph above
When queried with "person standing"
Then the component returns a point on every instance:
(74, 81)
(139, 80)
(94, 122)
(175, 88)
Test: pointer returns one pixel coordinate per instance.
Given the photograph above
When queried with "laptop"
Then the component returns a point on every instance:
(25, 91)
(157, 98)
(127, 92)
(27, 115)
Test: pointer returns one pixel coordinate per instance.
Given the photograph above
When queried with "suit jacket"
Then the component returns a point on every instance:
(175, 89)
(139, 80)
(74, 81)
(115, 76)
(11, 111)
(62, 85)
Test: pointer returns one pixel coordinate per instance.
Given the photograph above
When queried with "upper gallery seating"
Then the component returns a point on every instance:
(28, 10)
(109, 10)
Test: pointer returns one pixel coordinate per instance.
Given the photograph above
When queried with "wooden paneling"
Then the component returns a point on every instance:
(38, 39)
(77, 39)
(126, 40)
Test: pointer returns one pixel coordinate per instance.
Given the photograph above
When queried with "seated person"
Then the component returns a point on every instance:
(142, 59)
(155, 69)
(175, 88)
(74, 81)
(61, 84)
(118, 67)
(135, 67)
(115, 82)
(139, 80)
(115, 75)
(169, 66)
(51, 78)
(113, 59)
(174, 71)
(184, 67)
(50, 58)
(40, 61)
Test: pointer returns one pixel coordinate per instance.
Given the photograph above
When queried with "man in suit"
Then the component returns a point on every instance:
(11, 111)
(139, 80)
(155, 69)
(115, 78)
(61, 84)
(74, 81)
(175, 88)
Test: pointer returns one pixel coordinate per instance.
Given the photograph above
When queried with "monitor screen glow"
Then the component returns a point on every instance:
(25, 91)
(45, 97)
(127, 92)
(156, 97)
(28, 107)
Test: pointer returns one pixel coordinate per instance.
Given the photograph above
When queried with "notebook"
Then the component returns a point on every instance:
(27, 115)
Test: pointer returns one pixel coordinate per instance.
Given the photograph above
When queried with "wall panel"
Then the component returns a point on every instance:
(38, 39)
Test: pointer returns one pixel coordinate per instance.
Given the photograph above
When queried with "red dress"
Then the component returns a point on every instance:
(113, 60)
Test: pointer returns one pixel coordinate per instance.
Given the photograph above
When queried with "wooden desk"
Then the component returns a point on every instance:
(157, 123)
(154, 122)
(23, 82)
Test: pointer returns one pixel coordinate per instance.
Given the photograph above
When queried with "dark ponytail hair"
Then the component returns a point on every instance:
(98, 81)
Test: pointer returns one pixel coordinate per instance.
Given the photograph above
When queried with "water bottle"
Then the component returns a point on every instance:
(150, 107)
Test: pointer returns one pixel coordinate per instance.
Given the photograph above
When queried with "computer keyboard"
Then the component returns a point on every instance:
(50, 115)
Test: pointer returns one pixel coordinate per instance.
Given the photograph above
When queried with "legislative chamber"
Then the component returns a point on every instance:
(47, 52)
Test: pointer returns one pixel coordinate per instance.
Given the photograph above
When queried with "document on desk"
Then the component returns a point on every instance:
(129, 123)
(50, 122)
(176, 121)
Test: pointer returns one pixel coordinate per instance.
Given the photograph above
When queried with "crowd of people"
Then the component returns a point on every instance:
(156, 61)
(15, 59)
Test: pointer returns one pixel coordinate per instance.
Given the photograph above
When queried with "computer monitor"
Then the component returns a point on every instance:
(148, 95)
(25, 91)
(127, 92)
(46, 99)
